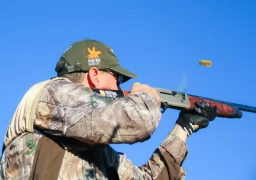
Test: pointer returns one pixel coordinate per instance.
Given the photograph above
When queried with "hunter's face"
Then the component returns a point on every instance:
(108, 80)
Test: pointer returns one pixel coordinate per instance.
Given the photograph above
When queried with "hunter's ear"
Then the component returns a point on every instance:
(93, 76)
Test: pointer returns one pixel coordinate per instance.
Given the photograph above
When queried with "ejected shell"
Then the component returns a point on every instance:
(205, 63)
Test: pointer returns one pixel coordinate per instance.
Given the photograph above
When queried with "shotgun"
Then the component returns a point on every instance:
(180, 101)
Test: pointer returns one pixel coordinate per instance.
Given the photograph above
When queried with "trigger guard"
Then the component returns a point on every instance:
(164, 106)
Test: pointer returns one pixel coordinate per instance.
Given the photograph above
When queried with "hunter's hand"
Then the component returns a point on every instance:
(137, 87)
(192, 121)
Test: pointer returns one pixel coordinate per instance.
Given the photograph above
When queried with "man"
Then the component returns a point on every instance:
(63, 126)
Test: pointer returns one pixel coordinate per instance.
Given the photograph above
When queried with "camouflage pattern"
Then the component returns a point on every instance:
(68, 109)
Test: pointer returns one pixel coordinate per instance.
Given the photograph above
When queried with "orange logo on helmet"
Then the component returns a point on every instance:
(93, 53)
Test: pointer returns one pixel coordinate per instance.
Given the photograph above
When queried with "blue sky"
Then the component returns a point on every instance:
(162, 42)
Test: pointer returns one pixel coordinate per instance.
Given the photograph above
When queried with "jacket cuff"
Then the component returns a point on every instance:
(176, 147)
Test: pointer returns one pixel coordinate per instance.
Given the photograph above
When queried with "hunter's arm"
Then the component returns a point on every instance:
(71, 110)
(165, 163)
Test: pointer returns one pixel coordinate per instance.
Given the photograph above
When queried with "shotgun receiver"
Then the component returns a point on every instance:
(180, 101)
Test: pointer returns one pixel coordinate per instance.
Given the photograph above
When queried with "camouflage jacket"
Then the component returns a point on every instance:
(70, 110)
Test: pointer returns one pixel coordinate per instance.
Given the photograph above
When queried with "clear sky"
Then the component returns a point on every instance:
(162, 41)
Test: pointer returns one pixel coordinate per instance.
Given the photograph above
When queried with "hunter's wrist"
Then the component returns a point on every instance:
(180, 132)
